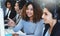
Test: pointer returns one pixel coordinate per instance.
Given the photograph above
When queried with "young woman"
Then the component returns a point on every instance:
(18, 8)
(31, 21)
(51, 16)
(9, 10)
(8, 6)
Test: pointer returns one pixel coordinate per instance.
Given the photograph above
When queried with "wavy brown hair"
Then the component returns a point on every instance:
(37, 11)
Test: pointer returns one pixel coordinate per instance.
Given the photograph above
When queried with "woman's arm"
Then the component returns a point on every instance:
(18, 26)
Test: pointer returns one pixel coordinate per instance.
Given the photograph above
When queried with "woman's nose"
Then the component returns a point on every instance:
(42, 16)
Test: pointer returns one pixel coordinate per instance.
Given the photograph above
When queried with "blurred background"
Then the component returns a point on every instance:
(41, 2)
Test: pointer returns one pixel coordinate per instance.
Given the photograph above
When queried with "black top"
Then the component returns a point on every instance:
(56, 30)
(11, 16)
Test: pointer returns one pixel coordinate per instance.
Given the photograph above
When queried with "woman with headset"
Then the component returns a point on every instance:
(51, 17)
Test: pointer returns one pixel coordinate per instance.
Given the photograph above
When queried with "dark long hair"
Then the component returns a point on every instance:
(54, 9)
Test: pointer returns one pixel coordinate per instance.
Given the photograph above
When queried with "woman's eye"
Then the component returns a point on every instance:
(31, 9)
(45, 13)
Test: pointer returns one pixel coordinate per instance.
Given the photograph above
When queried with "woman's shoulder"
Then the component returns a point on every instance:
(41, 22)
(21, 20)
(57, 23)
(57, 26)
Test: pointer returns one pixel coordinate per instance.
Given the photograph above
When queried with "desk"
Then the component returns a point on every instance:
(10, 31)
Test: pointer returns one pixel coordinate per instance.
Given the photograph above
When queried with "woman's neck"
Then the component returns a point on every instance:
(52, 23)
(9, 8)
(18, 12)
(31, 19)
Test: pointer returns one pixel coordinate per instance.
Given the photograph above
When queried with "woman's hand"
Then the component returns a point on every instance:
(11, 23)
